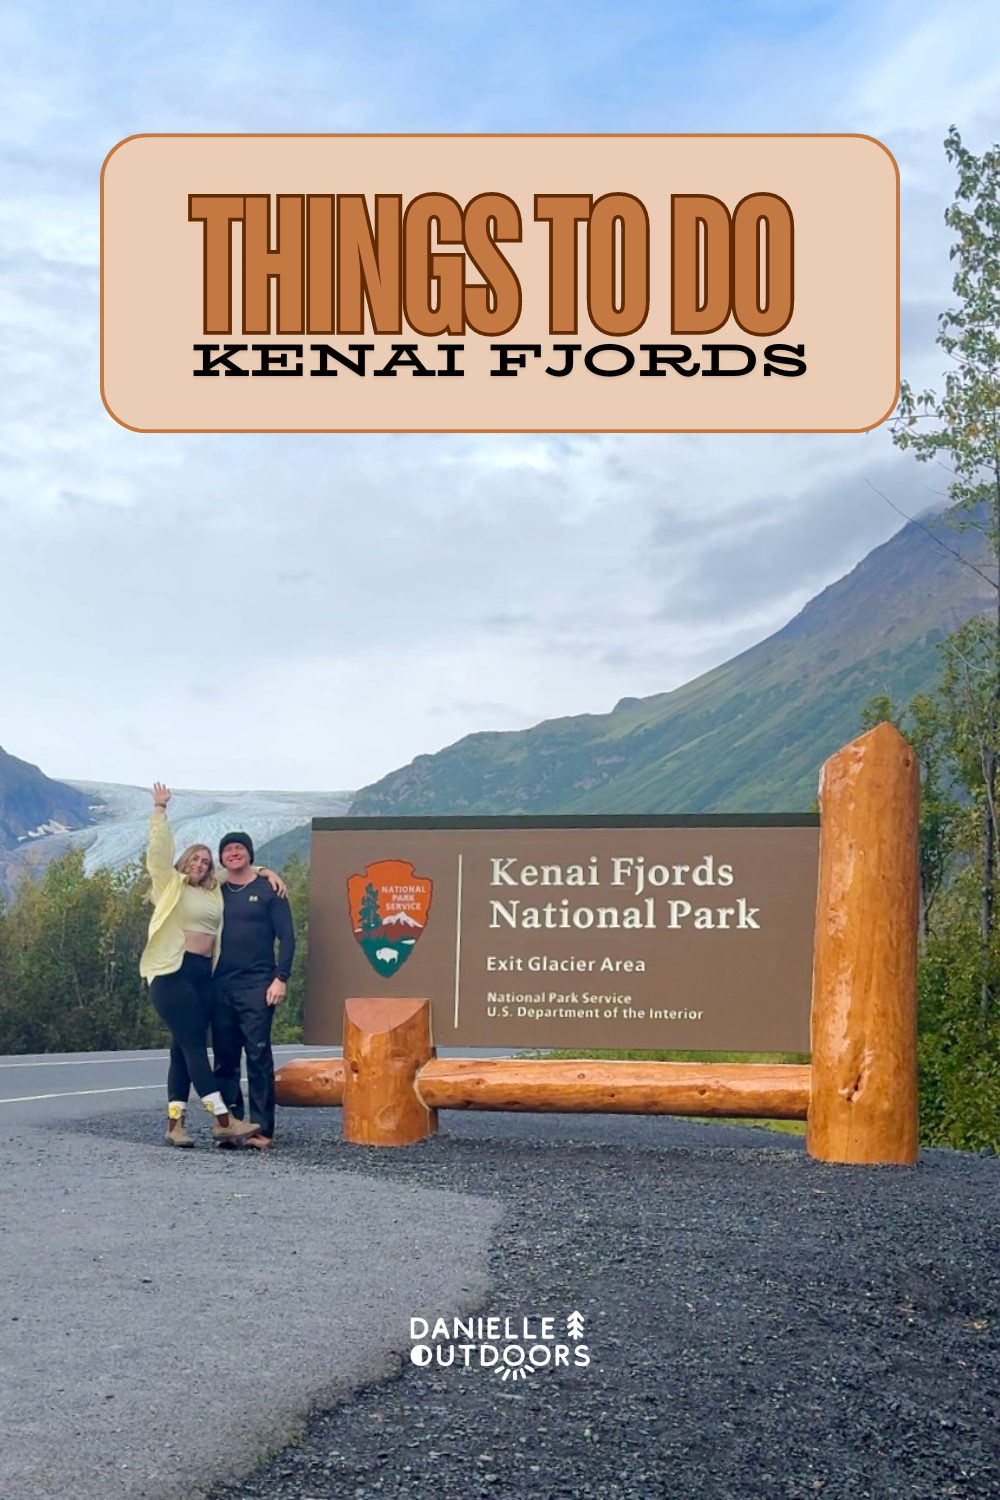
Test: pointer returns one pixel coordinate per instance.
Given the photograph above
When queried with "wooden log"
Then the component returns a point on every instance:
(777, 1091)
(864, 1004)
(386, 1042)
(309, 1081)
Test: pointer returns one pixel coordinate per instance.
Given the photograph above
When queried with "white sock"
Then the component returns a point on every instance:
(215, 1104)
(175, 1110)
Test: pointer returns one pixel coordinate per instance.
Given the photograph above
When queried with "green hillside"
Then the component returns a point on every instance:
(276, 851)
(750, 735)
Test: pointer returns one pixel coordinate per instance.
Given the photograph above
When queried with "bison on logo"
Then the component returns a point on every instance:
(389, 906)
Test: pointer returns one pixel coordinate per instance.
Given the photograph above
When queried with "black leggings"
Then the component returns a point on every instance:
(183, 1000)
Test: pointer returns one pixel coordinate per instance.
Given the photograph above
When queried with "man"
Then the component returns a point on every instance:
(248, 983)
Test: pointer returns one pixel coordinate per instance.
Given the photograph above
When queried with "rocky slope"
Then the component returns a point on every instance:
(32, 805)
(750, 735)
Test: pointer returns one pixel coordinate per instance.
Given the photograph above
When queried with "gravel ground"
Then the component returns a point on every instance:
(758, 1324)
(168, 1318)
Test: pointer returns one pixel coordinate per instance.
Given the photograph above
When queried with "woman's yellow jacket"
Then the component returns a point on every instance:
(164, 952)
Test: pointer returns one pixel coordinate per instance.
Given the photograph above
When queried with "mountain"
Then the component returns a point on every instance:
(33, 805)
(751, 734)
(748, 736)
(295, 841)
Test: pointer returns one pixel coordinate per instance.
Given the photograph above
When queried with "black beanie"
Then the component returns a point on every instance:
(237, 838)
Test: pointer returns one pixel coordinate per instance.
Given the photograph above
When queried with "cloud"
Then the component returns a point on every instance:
(934, 65)
(419, 594)
(304, 611)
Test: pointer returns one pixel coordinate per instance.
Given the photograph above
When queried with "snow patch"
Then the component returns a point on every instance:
(52, 826)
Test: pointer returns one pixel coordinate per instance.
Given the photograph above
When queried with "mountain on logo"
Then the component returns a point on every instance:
(402, 920)
(389, 905)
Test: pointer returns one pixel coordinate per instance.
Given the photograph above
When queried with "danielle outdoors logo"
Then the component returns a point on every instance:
(512, 1348)
(389, 905)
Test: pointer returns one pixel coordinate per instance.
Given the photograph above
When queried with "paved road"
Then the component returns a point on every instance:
(167, 1318)
(45, 1088)
(40, 1089)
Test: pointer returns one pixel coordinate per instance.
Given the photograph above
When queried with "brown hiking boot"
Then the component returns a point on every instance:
(177, 1135)
(236, 1130)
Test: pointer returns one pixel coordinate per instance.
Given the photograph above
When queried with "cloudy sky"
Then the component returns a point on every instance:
(313, 611)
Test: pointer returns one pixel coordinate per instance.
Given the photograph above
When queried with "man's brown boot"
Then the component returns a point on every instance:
(236, 1130)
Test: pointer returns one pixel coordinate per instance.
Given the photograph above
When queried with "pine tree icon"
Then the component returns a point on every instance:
(574, 1325)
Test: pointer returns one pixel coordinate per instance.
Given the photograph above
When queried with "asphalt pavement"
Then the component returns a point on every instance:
(43, 1088)
(167, 1318)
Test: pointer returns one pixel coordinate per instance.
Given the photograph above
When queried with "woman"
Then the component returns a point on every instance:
(184, 935)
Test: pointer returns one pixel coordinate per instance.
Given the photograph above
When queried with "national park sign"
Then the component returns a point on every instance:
(644, 932)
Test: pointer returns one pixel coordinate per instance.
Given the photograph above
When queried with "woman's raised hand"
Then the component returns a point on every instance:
(161, 795)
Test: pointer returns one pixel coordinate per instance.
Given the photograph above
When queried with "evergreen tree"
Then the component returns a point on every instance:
(371, 917)
(961, 429)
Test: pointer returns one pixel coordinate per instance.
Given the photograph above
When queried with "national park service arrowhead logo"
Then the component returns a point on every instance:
(389, 907)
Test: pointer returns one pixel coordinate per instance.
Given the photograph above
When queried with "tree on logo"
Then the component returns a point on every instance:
(371, 917)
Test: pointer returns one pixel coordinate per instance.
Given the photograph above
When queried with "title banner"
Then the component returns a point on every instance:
(514, 283)
(553, 932)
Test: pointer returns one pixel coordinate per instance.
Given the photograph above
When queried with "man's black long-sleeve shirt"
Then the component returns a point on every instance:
(254, 919)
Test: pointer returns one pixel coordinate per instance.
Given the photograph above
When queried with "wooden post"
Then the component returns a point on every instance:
(386, 1042)
(864, 1003)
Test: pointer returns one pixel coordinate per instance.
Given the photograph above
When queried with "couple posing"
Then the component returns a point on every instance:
(210, 961)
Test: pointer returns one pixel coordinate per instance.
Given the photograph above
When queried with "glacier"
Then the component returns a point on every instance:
(121, 813)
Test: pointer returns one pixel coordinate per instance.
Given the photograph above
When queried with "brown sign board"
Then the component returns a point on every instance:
(619, 932)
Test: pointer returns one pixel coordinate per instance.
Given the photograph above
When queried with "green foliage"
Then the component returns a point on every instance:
(955, 730)
(959, 1048)
(288, 1016)
(963, 422)
(69, 962)
(930, 724)
(70, 946)
(961, 430)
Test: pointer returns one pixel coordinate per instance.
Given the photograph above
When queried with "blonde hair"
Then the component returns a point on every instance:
(209, 883)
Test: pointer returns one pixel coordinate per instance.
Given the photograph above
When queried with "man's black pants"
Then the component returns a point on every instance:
(241, 1021)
